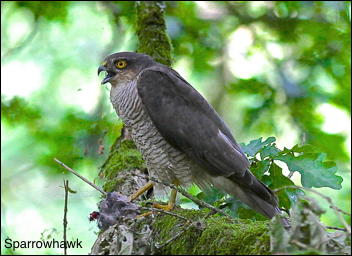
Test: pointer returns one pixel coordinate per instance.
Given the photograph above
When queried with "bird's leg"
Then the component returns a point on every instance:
(168, 207)
(171, 203)
(140, 191)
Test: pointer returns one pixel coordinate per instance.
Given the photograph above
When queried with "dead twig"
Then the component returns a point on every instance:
(166, 212)
(189, 223)
(336, 228)
(290, 174)
(65, 216)
(340, 210)
(299, 244)
(81, 177)
(209, 214)
(337, 210)
(159, 246)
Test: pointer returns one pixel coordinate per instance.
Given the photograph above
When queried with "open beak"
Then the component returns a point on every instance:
(108, 76)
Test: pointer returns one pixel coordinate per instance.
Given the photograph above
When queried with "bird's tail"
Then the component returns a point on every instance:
(252, 192)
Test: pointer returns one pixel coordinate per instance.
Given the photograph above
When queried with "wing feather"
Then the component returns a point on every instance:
(188, 122)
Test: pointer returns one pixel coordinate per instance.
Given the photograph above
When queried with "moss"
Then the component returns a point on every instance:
(111, 185)
(244, 238)
(167, 226)
(151, 31)
(123, 156)
(218, 236)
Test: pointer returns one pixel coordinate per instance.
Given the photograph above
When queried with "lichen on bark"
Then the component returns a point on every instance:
(151, 31)
(123, 168)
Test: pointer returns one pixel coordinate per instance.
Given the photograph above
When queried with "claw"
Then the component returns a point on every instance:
(140, 191)
(167, 207)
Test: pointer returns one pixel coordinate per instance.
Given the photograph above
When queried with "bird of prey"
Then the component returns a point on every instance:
(182, 138)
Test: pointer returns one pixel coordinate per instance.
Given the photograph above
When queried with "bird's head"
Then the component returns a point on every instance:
(123, 67)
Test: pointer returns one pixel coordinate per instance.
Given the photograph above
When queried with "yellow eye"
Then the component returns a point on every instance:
(121, 64)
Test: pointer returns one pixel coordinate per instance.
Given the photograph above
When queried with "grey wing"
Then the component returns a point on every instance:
(186, 120)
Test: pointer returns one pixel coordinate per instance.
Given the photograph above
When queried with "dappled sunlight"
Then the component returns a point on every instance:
(21, 79)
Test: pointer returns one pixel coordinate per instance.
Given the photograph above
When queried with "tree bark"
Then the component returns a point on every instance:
(151, 31)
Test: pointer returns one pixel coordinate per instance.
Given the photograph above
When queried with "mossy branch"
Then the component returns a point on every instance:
(214, 235)
(151, 31)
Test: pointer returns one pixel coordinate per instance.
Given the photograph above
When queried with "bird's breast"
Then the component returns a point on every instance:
(164, 162)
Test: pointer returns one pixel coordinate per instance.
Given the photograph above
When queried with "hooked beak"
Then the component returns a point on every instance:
(108, 76)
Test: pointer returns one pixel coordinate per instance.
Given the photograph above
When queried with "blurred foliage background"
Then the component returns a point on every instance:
(278, 69)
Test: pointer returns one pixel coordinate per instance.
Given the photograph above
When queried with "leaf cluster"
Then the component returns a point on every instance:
(315, 172)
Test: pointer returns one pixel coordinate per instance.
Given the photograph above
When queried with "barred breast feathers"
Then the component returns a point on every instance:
(163, 161)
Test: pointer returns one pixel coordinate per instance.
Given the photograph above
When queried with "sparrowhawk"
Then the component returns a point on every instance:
(181, 137)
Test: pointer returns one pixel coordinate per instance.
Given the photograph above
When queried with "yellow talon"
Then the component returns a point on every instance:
(149, 185)
(163, 207)
(171, 203)
(143, 215)
(140, 191)
(167, 207)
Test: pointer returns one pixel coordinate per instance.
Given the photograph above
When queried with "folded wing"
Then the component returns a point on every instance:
(189, 123)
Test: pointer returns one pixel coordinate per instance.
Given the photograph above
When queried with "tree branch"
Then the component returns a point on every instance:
(80, 176)
(151, 31)
(65, 215)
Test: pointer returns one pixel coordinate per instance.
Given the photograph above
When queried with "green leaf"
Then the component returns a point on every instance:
(315, 172)
(19, 111)
(254, 146)
(276, 180)
(258, 168)
(307, 148)
(269, 151)
(247, 213)
(51, 11)
(211, 196)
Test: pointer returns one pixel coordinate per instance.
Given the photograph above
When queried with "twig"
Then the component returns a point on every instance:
(166, 212)
(189, 196)
(335, 228)
(202, 203)
(65, 215)
(159, 246)
(299, 244)
(340, 210)
(333, 236)
(337, 210)
(188, 224)
(81, 177)
(290, 174)
(209, 214)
